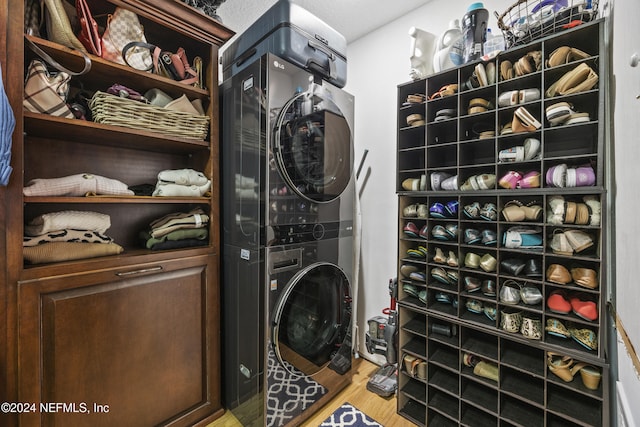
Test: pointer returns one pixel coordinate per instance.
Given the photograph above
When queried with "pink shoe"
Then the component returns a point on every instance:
(557, 176)
(582, 176)
(510, 180)
(530, 180)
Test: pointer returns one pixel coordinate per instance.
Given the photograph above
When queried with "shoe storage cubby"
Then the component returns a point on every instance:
(502, 241)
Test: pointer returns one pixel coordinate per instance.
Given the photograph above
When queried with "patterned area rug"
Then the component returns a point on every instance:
(349, 416)
(288, 395)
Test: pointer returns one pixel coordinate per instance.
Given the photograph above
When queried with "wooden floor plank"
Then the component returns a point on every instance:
(381, 409)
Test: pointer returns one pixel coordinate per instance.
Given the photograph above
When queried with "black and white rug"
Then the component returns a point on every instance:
(288, 395)
(349, 416)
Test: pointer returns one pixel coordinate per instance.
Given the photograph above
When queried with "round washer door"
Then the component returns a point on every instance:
(312, 318)
(313, 147)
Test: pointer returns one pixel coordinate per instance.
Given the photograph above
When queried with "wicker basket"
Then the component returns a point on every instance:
(528, 20)
(114, 110)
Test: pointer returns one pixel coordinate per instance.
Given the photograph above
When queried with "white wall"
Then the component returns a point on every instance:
(377, 63)
(625, 85)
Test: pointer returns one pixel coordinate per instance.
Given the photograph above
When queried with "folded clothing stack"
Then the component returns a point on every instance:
(68, 235)
(182, 183)
(177, 230)
(82, 184)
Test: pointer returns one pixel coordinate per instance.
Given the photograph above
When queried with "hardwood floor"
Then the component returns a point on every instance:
(381, 409)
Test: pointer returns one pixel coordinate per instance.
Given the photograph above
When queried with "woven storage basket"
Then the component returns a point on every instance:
(114, 110)
(528, 20)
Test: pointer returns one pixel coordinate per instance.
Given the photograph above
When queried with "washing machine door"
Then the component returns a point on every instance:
(312, 318)
(313, 146)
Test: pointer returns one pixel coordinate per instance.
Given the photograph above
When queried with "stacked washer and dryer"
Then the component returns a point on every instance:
(288, 196)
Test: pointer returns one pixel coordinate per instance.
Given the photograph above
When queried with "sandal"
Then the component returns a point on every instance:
(531, 148)
(446, 90)
(513, 211)
(440, 233)
(473, 210)
(474, 306)
(471, 236)
(489, 237)
(440, 275)
(578, 239)
(452, 260)
(489, 212)
(585, 309)
(558, 302)
(530, 180)
(418, 276)
(565, 369)
(558, 273)
(424, 232)
(472, 260)
(530, 294)
(410, 229)
(488, 263)
(559, 244)
(415, 253)
(410, 289)
(523, 237)
(439, 257)
(585, 277)
(585, 337)
(422, 296)
(557, 329)
(510, 292)
(489, 288)
(529, 63)
(560, 366)
(532, 211)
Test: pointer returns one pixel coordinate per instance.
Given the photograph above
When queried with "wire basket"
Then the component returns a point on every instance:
(114, 110)
(529, 20)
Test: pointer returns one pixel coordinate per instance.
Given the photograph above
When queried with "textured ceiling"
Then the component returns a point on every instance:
(352, 18)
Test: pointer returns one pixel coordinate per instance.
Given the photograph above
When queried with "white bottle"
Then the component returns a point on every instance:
(449, 48)
(421, 53)
(493, 45)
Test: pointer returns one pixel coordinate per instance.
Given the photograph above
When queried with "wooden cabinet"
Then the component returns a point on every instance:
(136, 333)
(135, 345)
(450, 319)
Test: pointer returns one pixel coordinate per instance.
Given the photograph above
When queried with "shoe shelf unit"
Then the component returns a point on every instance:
(501, 287)
(137, 331)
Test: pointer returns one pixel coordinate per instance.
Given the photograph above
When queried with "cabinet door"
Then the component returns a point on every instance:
(134, 347)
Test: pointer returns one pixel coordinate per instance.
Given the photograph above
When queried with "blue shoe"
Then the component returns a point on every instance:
(437, 210)
(452, 208)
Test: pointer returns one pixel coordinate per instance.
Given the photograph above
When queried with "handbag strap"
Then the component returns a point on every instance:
(155, 52)
(44, 55)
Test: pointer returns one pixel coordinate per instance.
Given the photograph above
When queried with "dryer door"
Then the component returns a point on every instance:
(312, 318)
(312, 144)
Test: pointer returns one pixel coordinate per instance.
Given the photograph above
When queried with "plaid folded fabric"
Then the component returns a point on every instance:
(76, 185)
(77, 220)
